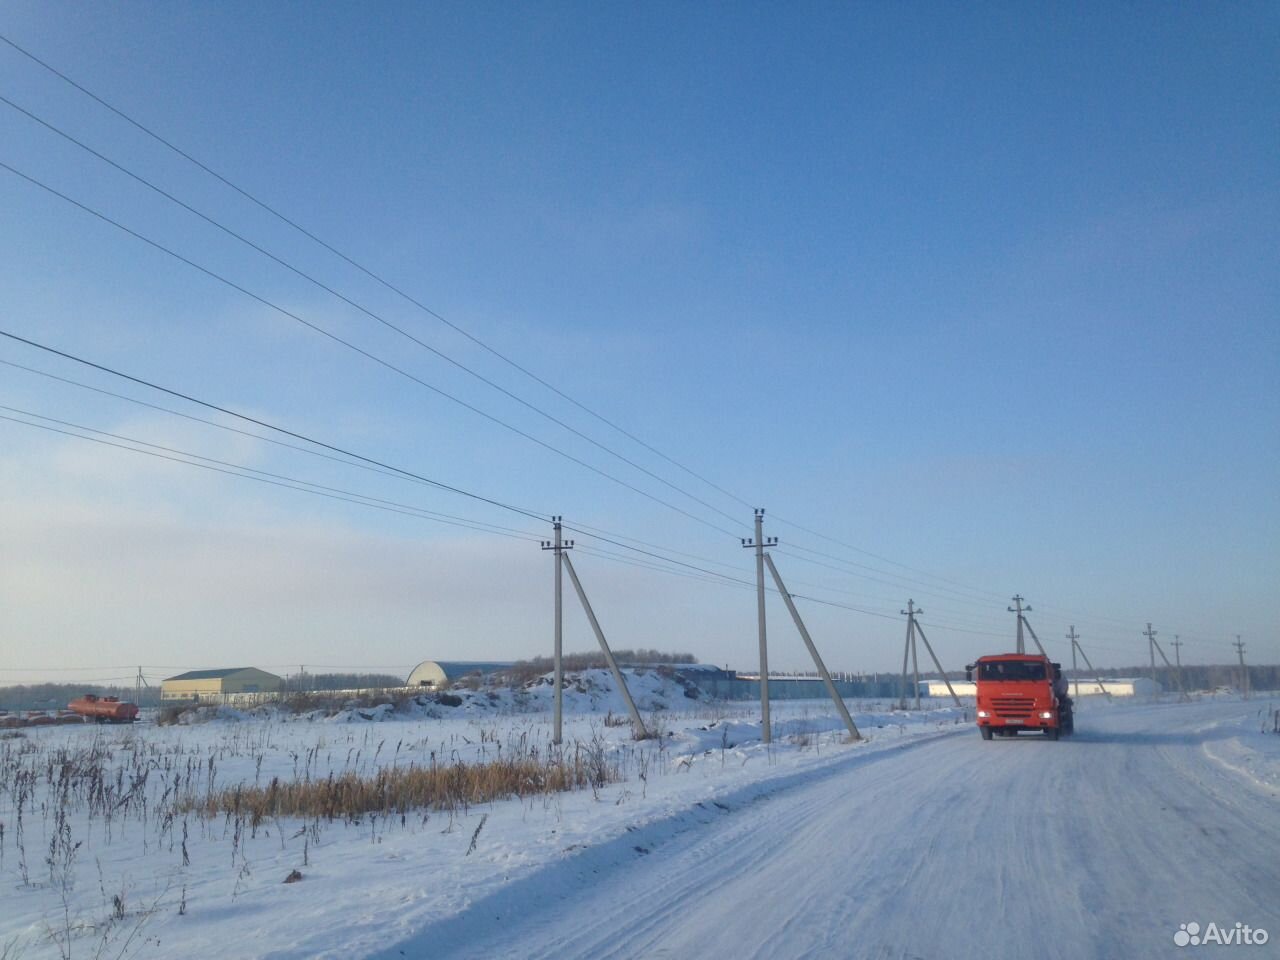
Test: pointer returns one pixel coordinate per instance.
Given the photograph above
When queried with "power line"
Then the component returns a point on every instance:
(269, 426)
(206, 422)
(584, 529)
(373, 275)
(355, 348)
(292, 483)
(949, 595)
(359, 306)
(967, 622)
(896, 582)
(276, 480)
(876, 556)
(365, 270)
(593, 532)
(460, 330)
(344, 494)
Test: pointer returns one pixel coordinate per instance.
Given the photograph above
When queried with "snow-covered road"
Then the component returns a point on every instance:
(951, 847)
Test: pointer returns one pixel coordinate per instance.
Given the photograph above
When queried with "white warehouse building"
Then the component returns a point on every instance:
(1116, 687)
(442, 674)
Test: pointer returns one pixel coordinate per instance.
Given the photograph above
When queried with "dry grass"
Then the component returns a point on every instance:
(398, 790)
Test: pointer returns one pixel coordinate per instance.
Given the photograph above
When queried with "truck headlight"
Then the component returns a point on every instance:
(1046, 715)
(983, 713)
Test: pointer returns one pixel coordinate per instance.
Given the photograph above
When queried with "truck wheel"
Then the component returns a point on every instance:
(986, 732)
(1052, 732)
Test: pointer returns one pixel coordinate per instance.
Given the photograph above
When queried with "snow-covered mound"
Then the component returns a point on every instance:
(585, 692)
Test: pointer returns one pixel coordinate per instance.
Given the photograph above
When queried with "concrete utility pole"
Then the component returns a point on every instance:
(813, 652)
(559, 546)
(910, 649)
(1039, 646)
(1182, 694)
(1244, 671)
(1085, 657)
(1022, 647)
(1151, 649)
(1177, 660)
(758, 544)
(906, 656)
(912, 613)
(641, 733)
(1075, 671)
(915, 660)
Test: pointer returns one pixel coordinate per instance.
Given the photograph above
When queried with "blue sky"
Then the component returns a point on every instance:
(992, 295)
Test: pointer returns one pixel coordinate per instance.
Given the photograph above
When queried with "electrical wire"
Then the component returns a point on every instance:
(365, 270)
(356, 348)
(460, 330)
(363, 309)
(270, 426)
(249, 473)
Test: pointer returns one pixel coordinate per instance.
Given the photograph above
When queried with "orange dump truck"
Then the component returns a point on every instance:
(104, 709)
(1021, 691)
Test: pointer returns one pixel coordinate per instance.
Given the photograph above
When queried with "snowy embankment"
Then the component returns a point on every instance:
(1250, 745)
(99, 858)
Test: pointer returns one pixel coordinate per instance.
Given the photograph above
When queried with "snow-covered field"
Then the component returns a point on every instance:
(921, 841)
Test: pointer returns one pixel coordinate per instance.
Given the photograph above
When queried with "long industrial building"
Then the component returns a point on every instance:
(219, 684)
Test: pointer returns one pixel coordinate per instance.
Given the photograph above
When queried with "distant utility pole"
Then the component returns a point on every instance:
(1244, 671)
(758, 544)
(1024, 623)
(1075, 646)
(913, 630)
(1182, 694)
(1022, 647)
(559, 546)
(1151, 649)
(1075, 670)
(1177, 660)
(910, 650)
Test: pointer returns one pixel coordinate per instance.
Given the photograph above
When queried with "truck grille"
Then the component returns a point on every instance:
(1012, 706)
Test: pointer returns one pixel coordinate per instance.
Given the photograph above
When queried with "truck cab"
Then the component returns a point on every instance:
(1020, 691)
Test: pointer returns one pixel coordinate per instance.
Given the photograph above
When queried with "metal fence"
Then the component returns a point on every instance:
(793, 688)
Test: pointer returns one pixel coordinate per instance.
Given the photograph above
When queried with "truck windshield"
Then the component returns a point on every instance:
(1010, 670)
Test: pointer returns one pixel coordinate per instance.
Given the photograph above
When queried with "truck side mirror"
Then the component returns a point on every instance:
(968, 672)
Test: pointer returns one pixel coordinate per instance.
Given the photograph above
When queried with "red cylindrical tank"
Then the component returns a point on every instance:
(104, 709)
